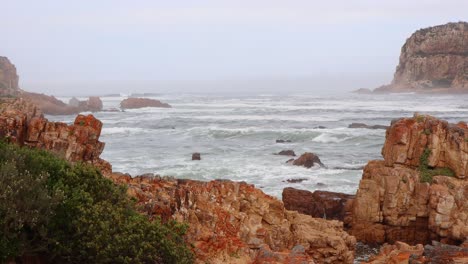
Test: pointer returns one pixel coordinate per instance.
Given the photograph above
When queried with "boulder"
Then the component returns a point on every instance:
(196, 156)
(308, 160)
(321, 204)
(286, 153)
(132, 103)
(94, 104)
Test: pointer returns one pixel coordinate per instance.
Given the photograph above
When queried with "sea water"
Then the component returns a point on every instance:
(236, 135)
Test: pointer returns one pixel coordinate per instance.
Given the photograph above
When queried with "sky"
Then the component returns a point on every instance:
(104, 46)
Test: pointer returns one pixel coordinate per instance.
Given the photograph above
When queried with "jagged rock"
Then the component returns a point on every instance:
(21, 122)
(397, 202)
(234, 222)
(321, 204)
(131, 103)
(434, 58)
(308, 160)
(362, 125)
(286, 153)
(8, 78)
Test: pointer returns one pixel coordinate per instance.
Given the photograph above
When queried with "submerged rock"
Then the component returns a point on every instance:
(283, 141)
(286, 153)
(362, 125)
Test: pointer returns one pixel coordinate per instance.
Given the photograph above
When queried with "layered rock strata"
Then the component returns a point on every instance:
(418, 192)
(233, 222)
(433, 59)
(21, 122)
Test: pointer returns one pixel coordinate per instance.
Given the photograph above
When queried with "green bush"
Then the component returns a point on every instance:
(427, 173)
(72, 214)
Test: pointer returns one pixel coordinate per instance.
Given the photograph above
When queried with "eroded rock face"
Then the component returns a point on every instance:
(8, 77)
(131, 103)
(21, 122)
(434, 58)
(394, 203)
(321, 204)
(233, 222)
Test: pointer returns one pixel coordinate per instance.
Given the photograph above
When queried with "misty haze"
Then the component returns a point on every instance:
(234, 132)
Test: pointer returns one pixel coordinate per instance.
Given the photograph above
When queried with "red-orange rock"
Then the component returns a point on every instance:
(22, 123)
(321, 204)
(234, 222)
(131, 103)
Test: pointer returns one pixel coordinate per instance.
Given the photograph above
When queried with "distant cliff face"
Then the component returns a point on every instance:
(434, 58)
(8, 77)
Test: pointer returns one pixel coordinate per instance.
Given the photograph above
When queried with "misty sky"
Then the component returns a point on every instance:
(347, 44)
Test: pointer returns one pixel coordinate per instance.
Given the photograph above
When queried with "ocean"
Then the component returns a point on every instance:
(236, 135)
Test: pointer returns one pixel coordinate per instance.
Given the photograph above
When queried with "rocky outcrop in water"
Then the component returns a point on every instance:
(418, 192)
(321, 204)
(362, 125)
(53, 106)
(434, 58)
(132, 103)
(8, 78)
(234, 222)
(308, 160)
(22, 122)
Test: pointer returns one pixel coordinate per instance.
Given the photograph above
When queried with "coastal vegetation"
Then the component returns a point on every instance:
(63, 213)
(427, 173)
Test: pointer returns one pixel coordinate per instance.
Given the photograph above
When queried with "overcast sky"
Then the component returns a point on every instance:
(348, 44)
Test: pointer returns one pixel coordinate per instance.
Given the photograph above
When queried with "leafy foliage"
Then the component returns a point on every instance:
(72, 214)
(426, 172)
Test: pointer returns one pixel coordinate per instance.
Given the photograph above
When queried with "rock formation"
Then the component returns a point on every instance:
(404, 253)
(434, 58)
(308, 160)
(196, 156)
(321, 204)
(131, 103)
(21, 122)
(53, 106)
(418, 192)
(8, 78)
(233, 222)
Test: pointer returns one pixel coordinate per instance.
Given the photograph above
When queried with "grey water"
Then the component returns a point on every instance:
(236, 135)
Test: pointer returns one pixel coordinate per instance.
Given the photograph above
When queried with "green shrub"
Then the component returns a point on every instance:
(72, 214)
(427, 173)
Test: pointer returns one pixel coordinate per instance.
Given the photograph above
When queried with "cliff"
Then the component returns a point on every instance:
(418, 192)
(22, 122)
(8, 78)
(433, 59)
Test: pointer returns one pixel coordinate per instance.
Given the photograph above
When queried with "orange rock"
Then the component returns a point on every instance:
(131, 103)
